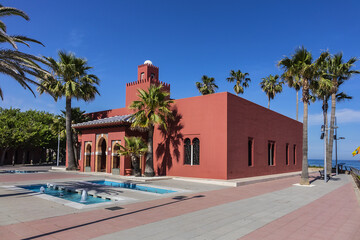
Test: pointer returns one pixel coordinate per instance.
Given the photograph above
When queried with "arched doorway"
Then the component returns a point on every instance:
(101, 156)
(116, 159)
(87, 158)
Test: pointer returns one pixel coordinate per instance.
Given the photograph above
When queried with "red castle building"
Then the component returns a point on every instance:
(220, 136)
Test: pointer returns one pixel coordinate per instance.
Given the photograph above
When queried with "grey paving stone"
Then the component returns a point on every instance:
(235, 219)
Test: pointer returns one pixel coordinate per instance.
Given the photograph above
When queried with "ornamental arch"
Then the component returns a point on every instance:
(87, 156)
(115, 161)
(101, 153)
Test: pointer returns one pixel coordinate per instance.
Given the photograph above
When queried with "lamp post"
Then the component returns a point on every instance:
(336, 139)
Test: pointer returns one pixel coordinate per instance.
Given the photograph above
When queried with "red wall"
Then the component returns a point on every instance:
(222, 122)
(203, 117)
(113, 134)
(246, 119)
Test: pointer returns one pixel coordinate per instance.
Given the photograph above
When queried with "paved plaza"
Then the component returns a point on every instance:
(274, 208)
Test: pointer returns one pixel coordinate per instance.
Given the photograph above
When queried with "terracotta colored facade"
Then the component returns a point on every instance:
(219, 136)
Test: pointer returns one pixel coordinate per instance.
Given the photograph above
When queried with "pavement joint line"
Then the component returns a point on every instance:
(254, 222)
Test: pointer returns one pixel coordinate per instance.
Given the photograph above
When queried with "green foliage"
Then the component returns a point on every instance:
(28, 129)
(70, 78)
(77, 116)
(14, 63)
(207, 86)
(241, 81)
(152, 108)
(133, 146)
(271, 86)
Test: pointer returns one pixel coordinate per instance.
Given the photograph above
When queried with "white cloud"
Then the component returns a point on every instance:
(344, 115)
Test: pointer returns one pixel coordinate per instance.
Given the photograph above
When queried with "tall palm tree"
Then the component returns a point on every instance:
(70, 79)
(134, 147)
(152, 108)
(339, 71)
(14, 63)
(307, 73)
(291, 76)
(207, 86)
(241, 81)
(321, 90)
(271, 86)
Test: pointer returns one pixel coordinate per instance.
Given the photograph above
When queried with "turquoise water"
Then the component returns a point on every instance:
(71, 196)
(348, 163)
(132, 186)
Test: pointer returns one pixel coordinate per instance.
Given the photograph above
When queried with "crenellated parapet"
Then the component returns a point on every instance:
(148, 74)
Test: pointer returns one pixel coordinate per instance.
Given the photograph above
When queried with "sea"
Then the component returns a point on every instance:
(348, 163)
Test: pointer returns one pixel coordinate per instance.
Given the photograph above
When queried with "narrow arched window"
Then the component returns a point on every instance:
(196, 151)
(187, 151)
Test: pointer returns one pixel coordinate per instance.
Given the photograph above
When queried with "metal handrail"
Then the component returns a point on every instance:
(355, 171)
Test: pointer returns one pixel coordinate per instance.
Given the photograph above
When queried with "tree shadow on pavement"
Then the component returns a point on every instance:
(176, 198)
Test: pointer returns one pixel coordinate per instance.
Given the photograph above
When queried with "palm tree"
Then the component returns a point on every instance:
(241, 79)
(207, 86)
(134, 147)
(271, 86)
(69, 79)
(339, 72)
(321, 90)
(291, 76)
(307, 73)
(16, 64)
(152, 108)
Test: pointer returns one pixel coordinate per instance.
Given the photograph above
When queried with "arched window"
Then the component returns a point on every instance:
(116, 156)
(88, 155)
(196, 151)
(187, 151)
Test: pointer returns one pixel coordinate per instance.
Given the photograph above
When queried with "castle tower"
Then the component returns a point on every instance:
(148, 74)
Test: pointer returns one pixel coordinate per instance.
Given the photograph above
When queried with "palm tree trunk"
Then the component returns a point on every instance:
(331, 134)
(325, 110)
(3, 156)
(269, 103)
(149, 165)
(305, 174)
(297, 105)
(24, 156)
(135, 163)
(75, 148)
(69, 140)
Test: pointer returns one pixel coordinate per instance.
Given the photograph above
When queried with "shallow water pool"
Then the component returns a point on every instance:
(63, 194)
(132, 186)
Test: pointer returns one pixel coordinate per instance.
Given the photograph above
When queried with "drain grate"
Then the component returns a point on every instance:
(114, 208)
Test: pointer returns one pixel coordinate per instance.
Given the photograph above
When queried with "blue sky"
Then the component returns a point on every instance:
(187, 39)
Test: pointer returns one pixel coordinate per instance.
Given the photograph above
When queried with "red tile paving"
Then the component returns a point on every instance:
(333, 216)
(99, 222)
(308, 222)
